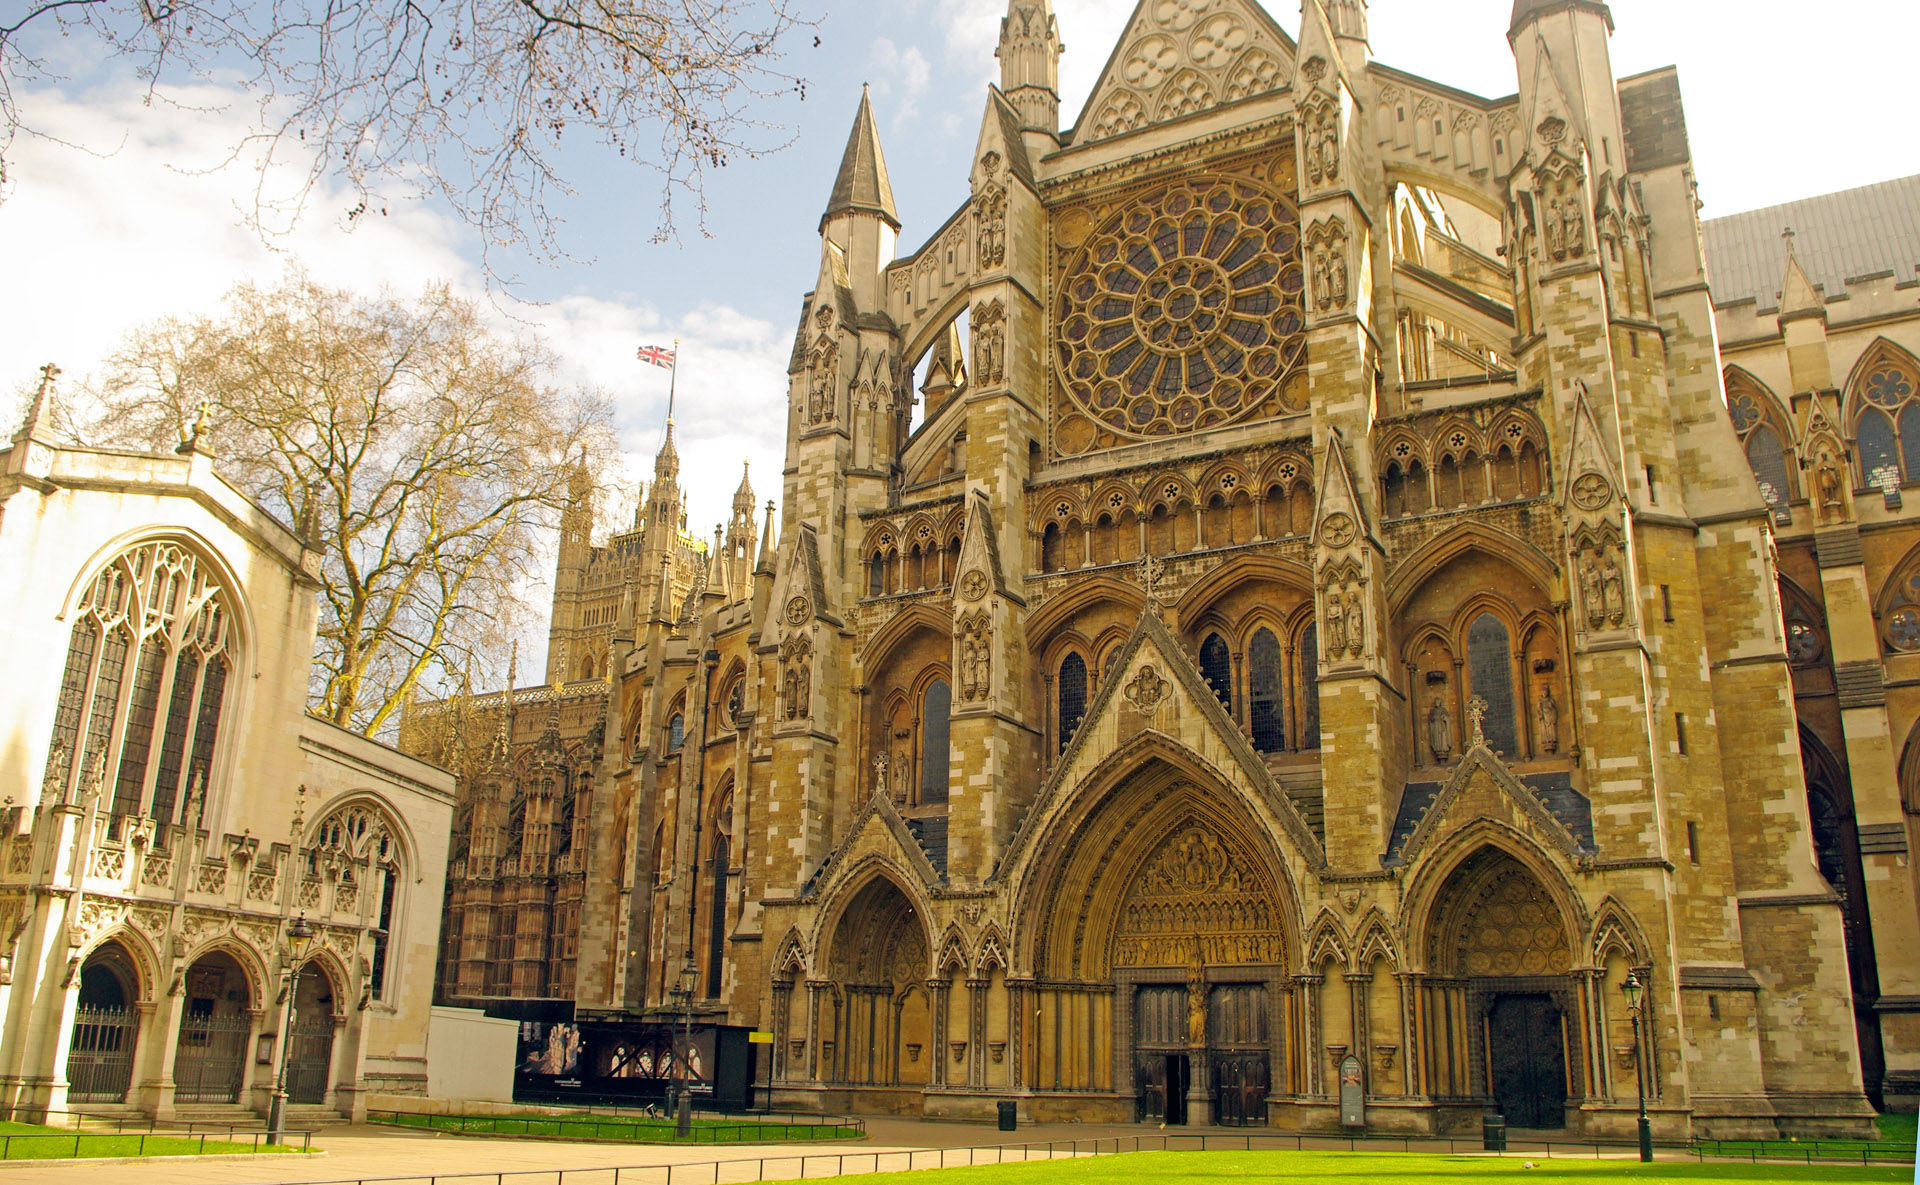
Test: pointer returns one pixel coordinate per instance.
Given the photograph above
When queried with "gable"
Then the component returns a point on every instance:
(1179, 57)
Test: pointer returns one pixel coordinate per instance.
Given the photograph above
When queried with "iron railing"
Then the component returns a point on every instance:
(100, 1056)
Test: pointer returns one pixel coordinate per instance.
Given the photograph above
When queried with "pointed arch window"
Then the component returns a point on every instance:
(936, 710)
(1073, 697)
(676, 733)
(1490, 677)
(1216, 665)
(1887, 428)
(1310, 687)
(1266, 677)
(145, 682)
(1764, 435)
(717, 917)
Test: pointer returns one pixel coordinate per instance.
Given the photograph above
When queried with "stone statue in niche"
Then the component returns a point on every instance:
(1546, 721)
(1336, 624)
(1573, 223)
(1440, 731)
(1330, 143)
(902, 767)
(1550, 231)
(1591, 593)
(1613, 589)
(1196, 995)
(1356, 625)
(991, 208)
(1827, 476)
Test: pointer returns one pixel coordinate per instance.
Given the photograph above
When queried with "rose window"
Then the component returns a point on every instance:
(1181, 312)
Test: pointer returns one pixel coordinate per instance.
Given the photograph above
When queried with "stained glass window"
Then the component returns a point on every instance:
(676, 733)
(1073, 697)
(164, 608)
(936, 708)
(1490, 677)
(1879, 455)
(1768, 459)
(1266, 717)
(1216, 664)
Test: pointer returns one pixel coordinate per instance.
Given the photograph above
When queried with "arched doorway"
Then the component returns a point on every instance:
(210, 1060)
(1160, 953)
(310, 1043)
(881, 1026)
(106, 1028)
(1501, 954)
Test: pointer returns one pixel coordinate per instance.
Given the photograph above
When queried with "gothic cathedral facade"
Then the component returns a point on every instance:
(1270, 594)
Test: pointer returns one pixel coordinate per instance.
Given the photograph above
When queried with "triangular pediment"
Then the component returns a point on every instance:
(878, 832)
(1156, 693)
(980, 552)
(1483, 789)
(1592, 479)
(799, 587)
(1178, 57)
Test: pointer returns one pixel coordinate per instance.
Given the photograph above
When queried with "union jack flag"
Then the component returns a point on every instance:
(657, 356)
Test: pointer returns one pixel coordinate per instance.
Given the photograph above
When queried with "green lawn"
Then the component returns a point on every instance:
(1896, 1139)
(638, 1129)
(1163, 1168)
(25, 1141)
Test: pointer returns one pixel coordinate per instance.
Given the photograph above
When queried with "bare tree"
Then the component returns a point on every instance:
(419, 452)
(464, 100)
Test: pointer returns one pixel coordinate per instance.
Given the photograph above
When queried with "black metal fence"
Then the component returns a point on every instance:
(100, 1056)
(789, 1166)
(643, 1125)
(91, 1123)
(69, 1145)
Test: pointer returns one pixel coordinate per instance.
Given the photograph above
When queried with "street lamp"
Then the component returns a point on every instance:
(683, 990)
(1634, 992)
(298, 936)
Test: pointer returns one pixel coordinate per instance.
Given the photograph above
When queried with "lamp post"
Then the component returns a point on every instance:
(297, 937)
(688, 983)
(1635, 994)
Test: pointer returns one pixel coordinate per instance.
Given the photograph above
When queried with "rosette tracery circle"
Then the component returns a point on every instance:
(1183, 310)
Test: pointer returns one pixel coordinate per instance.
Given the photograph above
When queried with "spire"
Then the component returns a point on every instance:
(1349, 19)
(1029, 54)
(716, 561)
(1797, 293)
(35, 423)
(743, 497)
(503, 736)
(666, 463)
(765, 562)
(862, 183)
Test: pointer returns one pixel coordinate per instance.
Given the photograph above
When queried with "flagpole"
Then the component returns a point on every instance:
(673, 380)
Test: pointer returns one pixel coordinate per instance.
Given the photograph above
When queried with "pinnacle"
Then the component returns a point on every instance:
(862, 183)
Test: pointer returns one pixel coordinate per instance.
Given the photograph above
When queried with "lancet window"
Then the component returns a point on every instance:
(1072, 689)
(1490, 677)
(1266, 678)
(140, 702)
(936, 710)
(1216, 664)
(1765, 436)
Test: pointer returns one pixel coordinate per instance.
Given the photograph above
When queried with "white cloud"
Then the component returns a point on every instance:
(900, 75)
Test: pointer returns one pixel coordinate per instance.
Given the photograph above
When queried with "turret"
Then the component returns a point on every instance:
(740, 540)
(1563, 46)
(1029, 56)
(1349, 21)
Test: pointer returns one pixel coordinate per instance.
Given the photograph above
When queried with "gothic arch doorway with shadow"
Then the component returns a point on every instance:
(1502, 956)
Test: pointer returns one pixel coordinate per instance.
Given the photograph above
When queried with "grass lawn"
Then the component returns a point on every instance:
(638, 1129)
(1162, 1168)
(25, 1141)
(1896, 1139)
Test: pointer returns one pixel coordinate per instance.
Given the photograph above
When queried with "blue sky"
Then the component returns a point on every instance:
(1781, 104)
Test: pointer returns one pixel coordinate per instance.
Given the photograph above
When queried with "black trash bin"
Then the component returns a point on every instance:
(1009, 1116)
(1493, 1132)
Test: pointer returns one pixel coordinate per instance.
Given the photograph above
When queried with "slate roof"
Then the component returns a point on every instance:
(931, 835)
(1555, 791)
(1839, 237)
(862, 183)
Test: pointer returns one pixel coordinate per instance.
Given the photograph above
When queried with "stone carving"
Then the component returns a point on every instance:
(1339, 530)
(1327, 251)
(990, 208)
(1546, 721)
(823, 374)
(1592, 491)
(879, 773)
(990, 342)
(973, 586)
(1150, 571)
(1827, 477)
(902, 773)
(798, 611)
(1335, 620)
(1563, 215)
(976, 657)
(1613, 588)
(796, 678)
(1343, 618)
(1477, 720)
(1440, 731)
(1147, 689)
(1196, 995)
(1320, 140)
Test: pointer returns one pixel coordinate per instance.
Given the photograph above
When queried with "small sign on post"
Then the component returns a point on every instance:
(759, 1038)
(1353, 1095)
